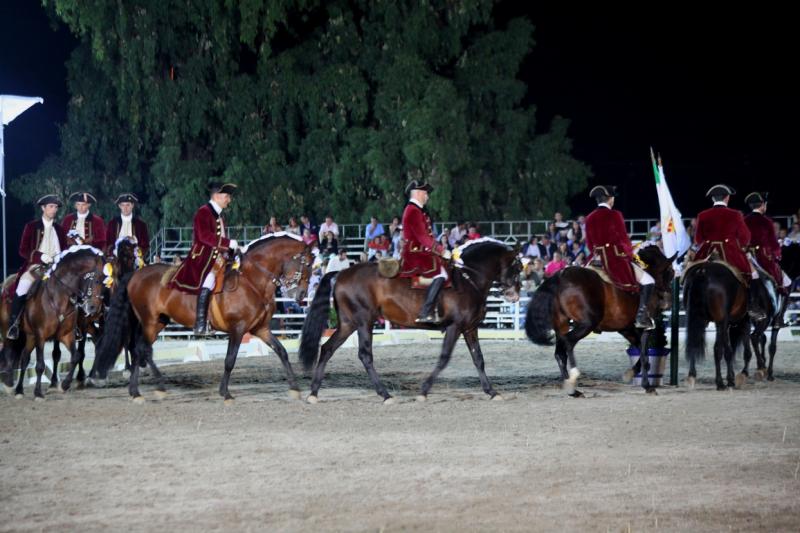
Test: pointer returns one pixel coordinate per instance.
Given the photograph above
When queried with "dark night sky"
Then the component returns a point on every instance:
(715, 94)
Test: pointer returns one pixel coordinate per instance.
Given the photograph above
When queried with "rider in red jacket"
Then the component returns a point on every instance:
(607, 240)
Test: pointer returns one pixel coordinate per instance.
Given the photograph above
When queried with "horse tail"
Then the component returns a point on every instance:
(116, 329)
(694, 302)
(315, 322)
(10, 357)
(539, 318)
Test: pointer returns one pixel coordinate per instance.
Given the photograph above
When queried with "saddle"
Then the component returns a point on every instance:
(715, 258)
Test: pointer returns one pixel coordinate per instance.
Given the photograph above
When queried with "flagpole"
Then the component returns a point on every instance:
(3, 194)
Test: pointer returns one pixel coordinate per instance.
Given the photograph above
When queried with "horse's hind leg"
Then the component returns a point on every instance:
(325, 353)
(578, 331)
(719, 352)
(24, 361)
(271, 341)
(471, 338)
(739, 330)
(773, 345)
(561, 357)
(234, 341)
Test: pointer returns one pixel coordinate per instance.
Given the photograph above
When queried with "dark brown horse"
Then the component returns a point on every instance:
(72, 285)
(712, 292)
(361, 295)
(577, 301)
(245, 305)
(790, 264)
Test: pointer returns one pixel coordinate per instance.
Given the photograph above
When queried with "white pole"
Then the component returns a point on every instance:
(3, 194)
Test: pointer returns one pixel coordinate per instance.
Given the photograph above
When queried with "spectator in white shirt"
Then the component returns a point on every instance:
(338, 262)
(328, 226)
(457, 234)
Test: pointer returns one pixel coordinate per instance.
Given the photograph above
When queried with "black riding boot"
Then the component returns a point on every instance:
(755, 310)
(200, 323)
(643, 319)
(428, 314)
(17, 305)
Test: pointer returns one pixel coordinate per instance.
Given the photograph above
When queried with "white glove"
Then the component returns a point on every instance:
(447, 254)
(46, 259)
(234, 245)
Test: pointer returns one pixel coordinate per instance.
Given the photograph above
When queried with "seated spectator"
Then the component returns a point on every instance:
(379, 243)
(473, 233)
(329, 226)
(397, 236)
(457, 234)
(794, 235)
(553, 233)
(308, 237)
(444, 240)
(373, 229)
(394, 225)
(556, 264)
(293, 226)
(271, 227)
(305, 223)
(532, 248)
(313, 283)
(654, 234)
(560, 226)
(575, 234)
(338, 262)
(398, 248)
(329, 244)
(563, 249)
(532, 276)
(547, 247)
(580, 259)
(575, 249)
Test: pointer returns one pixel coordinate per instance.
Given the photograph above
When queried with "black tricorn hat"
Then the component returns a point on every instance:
(127, 197)
(755, 198)
(49, 199)
(721, 190)
(603, 190)
(218, 186)
(83, 197)
(418, 184)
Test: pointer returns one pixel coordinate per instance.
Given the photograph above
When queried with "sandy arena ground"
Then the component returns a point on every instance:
(617, 460)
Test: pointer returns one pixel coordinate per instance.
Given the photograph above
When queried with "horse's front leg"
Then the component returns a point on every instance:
(471, 338)
(644, 363)
(56, 357)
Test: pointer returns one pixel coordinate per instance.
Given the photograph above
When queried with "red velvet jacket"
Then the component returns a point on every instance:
(417, 257)
(139, 231)
(29, 248)
(208, 242)
(764, 243)
(607, 239)
(94, 229)
(723, 229)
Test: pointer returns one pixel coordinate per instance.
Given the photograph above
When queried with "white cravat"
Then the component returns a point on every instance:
(218, 209)
(80, 225)
(126, 230)
(49, 244)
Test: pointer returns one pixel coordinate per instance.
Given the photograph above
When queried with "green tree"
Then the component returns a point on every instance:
(309, 106)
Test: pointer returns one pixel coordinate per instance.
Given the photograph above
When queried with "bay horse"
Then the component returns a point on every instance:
(790, 264)
(71, 285)
(245, 305)
(122, 261)
(577, 301)
(713, 292)
(361, 295)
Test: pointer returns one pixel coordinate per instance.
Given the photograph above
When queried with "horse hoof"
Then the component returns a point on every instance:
(126, 374)
(722, 388)
(569, 387)
(651, 390)
(38, 398)
(160, 394)
(18, 396)
(574, 374)
(138, 400)
(312, 399)
(59, 389)
(294, 394)
(422, 398)
(100, 383)
(389, 401)
(576, 394)
(770, 378)
(760, 374)
(8, 390)
(81, 385)
(690, 381)
(229, 401)
(498, 397)
(741, 379)
(627, 376)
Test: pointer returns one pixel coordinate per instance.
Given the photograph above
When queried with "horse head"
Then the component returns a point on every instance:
(495, 261)
(286, 259)
(78, 271)
(660, 267)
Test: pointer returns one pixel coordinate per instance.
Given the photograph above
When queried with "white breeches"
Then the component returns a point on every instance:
(442, 274)
(208, 283)
(24, 284)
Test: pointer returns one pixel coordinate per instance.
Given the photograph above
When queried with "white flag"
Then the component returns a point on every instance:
(10, 108)
(673, 233)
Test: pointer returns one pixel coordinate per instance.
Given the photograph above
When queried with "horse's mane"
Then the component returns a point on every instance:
(78, 251)
(257, 243)
(474, 248)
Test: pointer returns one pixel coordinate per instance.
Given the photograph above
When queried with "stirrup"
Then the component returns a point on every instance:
(431, 318)
(13, 331)
(645, 322)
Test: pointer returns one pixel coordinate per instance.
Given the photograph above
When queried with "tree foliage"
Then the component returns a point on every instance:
(309, 106)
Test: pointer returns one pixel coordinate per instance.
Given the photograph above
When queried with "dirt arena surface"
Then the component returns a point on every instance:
(616, 460)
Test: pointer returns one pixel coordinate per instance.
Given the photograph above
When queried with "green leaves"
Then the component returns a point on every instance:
(311, 107)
